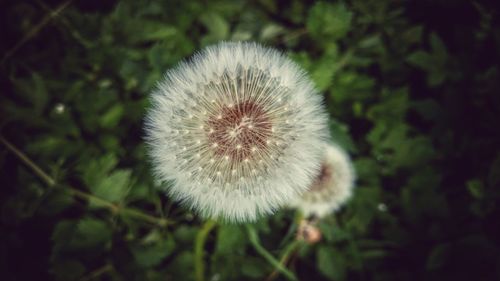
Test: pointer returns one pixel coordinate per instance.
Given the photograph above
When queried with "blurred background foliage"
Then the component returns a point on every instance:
(411, 86)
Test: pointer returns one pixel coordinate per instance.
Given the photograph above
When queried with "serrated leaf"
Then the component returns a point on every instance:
(340, 135)
(33, 91)
(152, 254)
(67, 270)
(413, 34)
(112, 116)
(113, 188)
(181, 268)
(330, 263)
(271, 31)
(90, 232)
(421, 59)
(326, 20)
(438, 256)
(333, 233)
(230, 239)
(96, 169)
(323, 69)
(160, 33)
(374, 254)
(63, 230)
(429, 109)
(254, 268)
(87, 233)
(185, 233)
(438, 48)
(54, 203)
(476, 188)
(217, 26)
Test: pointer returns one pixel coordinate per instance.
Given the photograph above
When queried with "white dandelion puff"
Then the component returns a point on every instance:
(237, 129)
(331, 188)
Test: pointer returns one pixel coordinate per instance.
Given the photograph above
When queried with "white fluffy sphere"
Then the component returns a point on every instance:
(332, 187)
(237, 129)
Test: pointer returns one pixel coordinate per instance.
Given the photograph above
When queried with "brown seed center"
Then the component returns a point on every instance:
(322, 179)
(240, 131)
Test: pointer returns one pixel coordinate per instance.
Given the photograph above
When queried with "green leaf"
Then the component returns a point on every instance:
(160, 33)
(55, 203)
(97, 169)
(271, 31)
(230, 239)
(67, 270)
(476, 188)
(421, 59)
(438, 256)
(438, 48)
(181, 268)
(434, 62)
(333, 233)
(185, 234)
(33, 91)
(85, 234)
(413, 34)
(323, 70)
(152, 254)
(91, 232)
(254, 268)
(112, 116)
(327, 20)
(113, 188)
(340, 135)
(217, 26)
(330, 263)
(429, 109)
(374, 254)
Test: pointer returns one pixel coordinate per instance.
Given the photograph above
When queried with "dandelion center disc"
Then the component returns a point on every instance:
(240, 131)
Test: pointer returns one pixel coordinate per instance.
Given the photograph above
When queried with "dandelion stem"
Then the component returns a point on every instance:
(51, 182)
(287, 254)
(201, 237)
(254, 239)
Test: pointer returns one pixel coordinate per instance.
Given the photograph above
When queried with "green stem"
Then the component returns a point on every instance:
(34, 167)
(98, 272)
(51, 182)
(199, 246)
(289, 251)
(35, 29)
(254, 239)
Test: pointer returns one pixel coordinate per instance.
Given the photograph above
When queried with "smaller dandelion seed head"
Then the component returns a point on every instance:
(332, 186)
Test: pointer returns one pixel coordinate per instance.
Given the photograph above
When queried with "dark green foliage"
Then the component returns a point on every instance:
(411, 88)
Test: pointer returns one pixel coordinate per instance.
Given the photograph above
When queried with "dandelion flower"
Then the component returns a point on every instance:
(331, 188)
(237, 130)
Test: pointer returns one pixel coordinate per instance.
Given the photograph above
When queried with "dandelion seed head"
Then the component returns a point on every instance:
(231, 99)
(332, 186)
